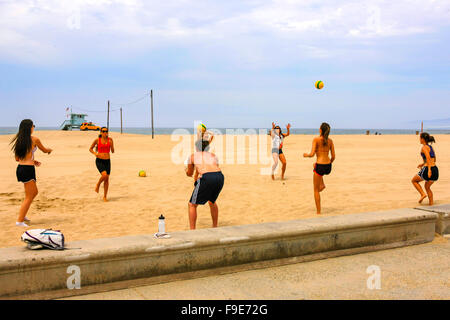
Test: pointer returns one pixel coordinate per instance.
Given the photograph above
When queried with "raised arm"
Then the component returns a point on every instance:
(313, 150)
(288, 127)
(272, 132)
(210, 135)
(41, 146)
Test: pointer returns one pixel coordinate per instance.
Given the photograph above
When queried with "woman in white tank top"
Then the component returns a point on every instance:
(277, 148)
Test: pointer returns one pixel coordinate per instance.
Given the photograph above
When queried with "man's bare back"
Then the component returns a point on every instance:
(204, 162)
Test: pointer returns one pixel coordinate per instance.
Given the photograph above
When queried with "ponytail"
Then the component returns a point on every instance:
(432, 139)
(22, 142)
(426, 136)
(325, 127)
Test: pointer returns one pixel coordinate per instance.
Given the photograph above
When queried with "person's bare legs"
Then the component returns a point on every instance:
(214, 213)
(104, 178)
(105, 186)
(31, 192)
(192, 210)
(429, 192)
(275, 163)
(97, 186)
(283, 168)
(317, 180)
(415, 181)
(322, 184)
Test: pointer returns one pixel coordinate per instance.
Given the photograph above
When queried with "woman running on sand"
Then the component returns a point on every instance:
(428, 170)
(105, 145)
(321, 147)
(24, 147)
(277, 148)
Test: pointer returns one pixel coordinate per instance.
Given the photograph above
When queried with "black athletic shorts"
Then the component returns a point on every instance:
(25, 173)
(207, 188)
(423, 173)
(103, 165)
(322, 169)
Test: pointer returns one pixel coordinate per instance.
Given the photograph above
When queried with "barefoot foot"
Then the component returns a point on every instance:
(104, 199)
(273, 177)
(421, 198)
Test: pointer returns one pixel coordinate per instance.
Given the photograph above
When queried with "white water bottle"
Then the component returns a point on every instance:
(161, 225)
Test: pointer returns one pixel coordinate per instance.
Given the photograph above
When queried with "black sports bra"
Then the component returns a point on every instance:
(432, 155)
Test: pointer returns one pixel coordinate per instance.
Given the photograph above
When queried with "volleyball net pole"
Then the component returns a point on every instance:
(151, 105)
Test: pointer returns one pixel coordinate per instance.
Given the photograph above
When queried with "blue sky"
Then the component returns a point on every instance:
(240, 63)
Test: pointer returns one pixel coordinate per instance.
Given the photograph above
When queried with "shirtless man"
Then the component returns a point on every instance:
(205, 135)
(208, 185)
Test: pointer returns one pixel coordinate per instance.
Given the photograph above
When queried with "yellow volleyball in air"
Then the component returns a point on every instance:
(319, 84)
(201, 127)
(142, 173)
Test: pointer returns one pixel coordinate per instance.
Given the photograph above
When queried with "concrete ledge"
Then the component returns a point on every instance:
(443, 217)
(25, 272)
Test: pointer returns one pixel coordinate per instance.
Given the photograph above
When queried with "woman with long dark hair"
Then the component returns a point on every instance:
(277, 148)
(104, 145)
(321, 147)
(428, 169)
(24, 147)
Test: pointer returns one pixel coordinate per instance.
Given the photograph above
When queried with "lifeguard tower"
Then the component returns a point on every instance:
(75, 120)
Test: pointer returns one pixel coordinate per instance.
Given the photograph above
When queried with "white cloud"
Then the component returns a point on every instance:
(49, 32)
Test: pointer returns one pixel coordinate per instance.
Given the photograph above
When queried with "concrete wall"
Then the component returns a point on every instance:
(443, 217)
(24, 271)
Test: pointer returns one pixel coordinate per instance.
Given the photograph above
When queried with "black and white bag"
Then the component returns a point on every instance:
(40, 238)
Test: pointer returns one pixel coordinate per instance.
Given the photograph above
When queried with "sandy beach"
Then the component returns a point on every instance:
(371, 173)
